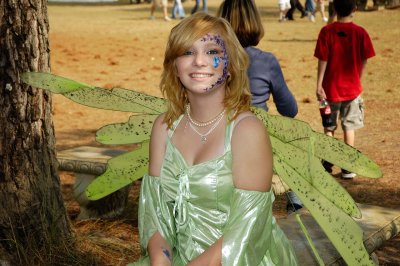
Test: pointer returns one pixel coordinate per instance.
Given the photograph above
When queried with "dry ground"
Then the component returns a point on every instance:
(118, 46)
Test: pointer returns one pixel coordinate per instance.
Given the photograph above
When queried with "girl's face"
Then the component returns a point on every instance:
(204, 66)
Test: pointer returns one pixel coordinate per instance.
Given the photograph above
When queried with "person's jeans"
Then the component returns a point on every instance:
(196, 6)
(178, 8)
(310, 6)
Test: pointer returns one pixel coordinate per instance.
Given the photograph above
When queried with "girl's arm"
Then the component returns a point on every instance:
(210, 257)
(252, 155)
(158, 142)
(160, 252)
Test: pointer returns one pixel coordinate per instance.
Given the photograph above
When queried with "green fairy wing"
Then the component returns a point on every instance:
(298, 134)
(136, 130)
(121, 171)
(111, 99)
(297, 149)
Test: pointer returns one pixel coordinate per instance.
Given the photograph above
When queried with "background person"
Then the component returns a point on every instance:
(293, 5)
(264, 72)
(197, 5)
(342, 50)
(178, 9)
(164, 5)
(284, 6)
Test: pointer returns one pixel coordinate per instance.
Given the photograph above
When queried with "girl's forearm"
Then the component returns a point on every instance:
(159, 251)
(211, 256)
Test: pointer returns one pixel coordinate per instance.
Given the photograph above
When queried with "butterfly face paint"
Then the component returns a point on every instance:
(216, 62)
(217, 59)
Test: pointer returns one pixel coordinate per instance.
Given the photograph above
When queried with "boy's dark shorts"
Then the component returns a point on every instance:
(351, 114)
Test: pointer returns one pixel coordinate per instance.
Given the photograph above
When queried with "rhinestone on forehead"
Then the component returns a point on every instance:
(219, 41)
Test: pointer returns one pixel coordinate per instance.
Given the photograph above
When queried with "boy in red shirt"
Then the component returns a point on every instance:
(343, 49)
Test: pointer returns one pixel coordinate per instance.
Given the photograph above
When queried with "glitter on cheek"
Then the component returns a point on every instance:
(216, 62)
(224, 75)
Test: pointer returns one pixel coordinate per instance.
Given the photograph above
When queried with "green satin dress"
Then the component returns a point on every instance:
(193, 206)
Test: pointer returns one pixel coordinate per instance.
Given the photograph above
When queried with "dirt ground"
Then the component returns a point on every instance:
(118, 46)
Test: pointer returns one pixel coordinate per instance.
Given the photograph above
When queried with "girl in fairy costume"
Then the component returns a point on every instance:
(207, 198)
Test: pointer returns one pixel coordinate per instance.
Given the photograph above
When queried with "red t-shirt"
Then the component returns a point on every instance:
(344, 46)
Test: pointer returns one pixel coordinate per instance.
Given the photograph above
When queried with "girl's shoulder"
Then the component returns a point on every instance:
(160, 128)
(247, 123)
(159, 122)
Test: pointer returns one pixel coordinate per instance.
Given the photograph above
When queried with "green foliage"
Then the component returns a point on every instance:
(297, 150)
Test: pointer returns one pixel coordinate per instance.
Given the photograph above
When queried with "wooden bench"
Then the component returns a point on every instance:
(87, 163)
(379, 225)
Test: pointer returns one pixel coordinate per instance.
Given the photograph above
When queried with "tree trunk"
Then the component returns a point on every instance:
(32, 213)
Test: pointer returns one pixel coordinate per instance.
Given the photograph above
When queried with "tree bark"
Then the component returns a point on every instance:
(32, 212)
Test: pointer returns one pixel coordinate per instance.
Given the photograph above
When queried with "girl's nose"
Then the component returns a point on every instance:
(200, 59)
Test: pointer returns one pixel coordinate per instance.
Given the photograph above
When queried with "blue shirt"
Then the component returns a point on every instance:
(266, 78)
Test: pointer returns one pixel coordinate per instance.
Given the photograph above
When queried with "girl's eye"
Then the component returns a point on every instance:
(213, 52)
(188, 53)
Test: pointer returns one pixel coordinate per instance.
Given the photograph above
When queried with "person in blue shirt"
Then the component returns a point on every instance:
(264, 72)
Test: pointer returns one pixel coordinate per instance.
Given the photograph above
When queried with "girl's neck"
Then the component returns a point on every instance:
(204, 107)
(202, 111)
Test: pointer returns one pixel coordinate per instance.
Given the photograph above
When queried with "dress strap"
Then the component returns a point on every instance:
(230, 127)
(228, 136)
(174, 126)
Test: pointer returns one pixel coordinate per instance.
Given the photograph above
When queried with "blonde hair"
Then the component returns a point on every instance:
(181, 38)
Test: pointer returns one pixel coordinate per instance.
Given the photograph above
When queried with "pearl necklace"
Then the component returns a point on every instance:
(203, 124)
(203, 137)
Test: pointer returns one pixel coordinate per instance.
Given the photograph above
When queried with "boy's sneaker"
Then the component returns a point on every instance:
(325, 19)
(166, 18)
(327, 165)
(347, 175)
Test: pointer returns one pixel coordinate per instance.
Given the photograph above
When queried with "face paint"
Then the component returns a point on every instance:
(166, 253)
(216, 61)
